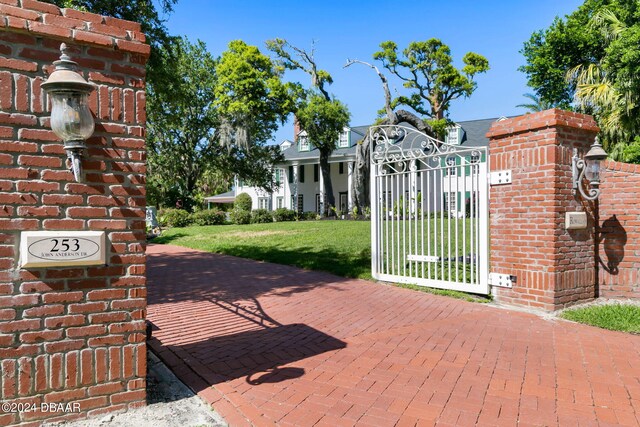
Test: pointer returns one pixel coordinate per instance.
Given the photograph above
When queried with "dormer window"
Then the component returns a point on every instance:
(304, 143)
(454, 135)
(343, 142)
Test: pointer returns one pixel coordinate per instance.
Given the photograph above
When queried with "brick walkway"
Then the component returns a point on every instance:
(267, 344)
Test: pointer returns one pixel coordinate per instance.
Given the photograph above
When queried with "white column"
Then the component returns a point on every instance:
(349, 182)
(321, 190)
(286, 187)
(295, 188)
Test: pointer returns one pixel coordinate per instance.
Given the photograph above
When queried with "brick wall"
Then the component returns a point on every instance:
(554, 267)
(72, 334)
(619, 240)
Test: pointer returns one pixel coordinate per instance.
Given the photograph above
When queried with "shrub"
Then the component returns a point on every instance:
(309, 216)
(174, 218)
(284, 214)
(243, 202)
(261, 216)
(208, 217)
(239, 216)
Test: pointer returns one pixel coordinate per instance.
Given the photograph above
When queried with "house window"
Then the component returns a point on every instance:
(343, 142)
(301, 173)
(290, 174)
(316, 173)
(453, 133)
(449, 202)
(297, 206)
(263, 203)
(341, 168)
(279, 177)
(451, 166)
(304, 143)
(279, 202)
(475, 159)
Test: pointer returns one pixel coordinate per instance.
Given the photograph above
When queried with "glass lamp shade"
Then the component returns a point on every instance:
(71, 119)
(592, 170)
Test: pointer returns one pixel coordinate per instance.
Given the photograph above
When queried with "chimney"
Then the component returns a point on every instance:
(296, 128)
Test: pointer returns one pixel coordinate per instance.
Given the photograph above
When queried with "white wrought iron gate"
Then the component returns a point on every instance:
(429, 211)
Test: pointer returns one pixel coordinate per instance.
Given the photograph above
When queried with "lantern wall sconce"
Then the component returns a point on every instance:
(588, 167)
(71, 119)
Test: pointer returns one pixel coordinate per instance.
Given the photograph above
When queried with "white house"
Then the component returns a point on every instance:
(299, 181)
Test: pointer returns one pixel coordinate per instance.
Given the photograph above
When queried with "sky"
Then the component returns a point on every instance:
(349, 29)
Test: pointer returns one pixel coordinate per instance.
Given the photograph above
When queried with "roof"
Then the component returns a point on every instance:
(475, 132)
(474, 136)
(357, 133)
(228, 197)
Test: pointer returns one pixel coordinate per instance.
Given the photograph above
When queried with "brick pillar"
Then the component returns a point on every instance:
(554, 267)
(77, 334)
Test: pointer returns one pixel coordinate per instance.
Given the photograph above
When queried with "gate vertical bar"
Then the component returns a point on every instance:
(385, 217)
(375, 250)
(464, 222)
(483, 241)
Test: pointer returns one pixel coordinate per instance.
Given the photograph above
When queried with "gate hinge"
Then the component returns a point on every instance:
(500, 177)
(501, 280)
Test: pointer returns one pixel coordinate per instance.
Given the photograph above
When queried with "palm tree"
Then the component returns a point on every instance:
(612, 99)
(537, 103)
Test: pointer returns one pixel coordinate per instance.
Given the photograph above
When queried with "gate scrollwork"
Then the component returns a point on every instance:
(400, 148)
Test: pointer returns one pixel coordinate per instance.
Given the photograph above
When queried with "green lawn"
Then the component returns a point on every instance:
(446, 238)
(339, 247)
(616, 317)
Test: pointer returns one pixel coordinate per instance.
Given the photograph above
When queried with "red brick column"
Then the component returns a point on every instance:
(619, 240)
(72, 335)
(554, 267)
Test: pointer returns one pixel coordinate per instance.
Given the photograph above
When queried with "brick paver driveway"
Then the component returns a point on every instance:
(268, 344)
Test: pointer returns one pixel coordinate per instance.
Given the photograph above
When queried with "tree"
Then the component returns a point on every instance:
(250, 95)
(434, 83)
(589, 62)
(426, 69)
(205, 121)
(320, 115)
(181, 124)
(609, 87)
(142, 11)
(323, 120)
(551, 53)
(536, 104)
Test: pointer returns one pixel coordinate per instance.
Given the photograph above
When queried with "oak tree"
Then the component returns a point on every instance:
(319, 114)
(213, 115)
(426, 70)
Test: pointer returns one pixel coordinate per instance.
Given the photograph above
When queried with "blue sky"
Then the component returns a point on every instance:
(345, 29)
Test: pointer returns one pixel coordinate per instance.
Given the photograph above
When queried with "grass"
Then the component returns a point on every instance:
(339, 247)
(616, 317)
(446, 238)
